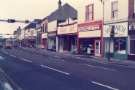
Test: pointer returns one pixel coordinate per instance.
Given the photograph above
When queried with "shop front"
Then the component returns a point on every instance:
(52, 41)
(90, 38)
(44, 41)
(117, 45)
(67, 37)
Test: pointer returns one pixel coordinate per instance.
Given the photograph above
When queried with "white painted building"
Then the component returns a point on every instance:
(116, 13)
(90, 35)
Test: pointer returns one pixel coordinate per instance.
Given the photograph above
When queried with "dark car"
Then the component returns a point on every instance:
(6, 83)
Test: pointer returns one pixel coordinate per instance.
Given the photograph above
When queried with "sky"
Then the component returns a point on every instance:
(26, 10)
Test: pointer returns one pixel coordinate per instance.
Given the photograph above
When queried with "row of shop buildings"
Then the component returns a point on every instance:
(87, 28)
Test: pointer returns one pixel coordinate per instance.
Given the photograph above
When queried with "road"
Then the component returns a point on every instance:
(32, 71)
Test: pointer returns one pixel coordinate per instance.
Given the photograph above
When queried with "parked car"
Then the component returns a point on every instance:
(6, 83)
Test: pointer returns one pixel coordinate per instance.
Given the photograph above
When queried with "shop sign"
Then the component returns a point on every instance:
(120, 30)
(44, 35)
(67, 29)
(89, 28)
(52, 34)
(90, 34)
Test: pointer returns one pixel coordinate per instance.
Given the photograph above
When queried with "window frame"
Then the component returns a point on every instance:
(114, 12)
(89, 12)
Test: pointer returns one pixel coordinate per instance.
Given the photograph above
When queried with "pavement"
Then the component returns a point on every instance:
(56, 71)
(129, 63)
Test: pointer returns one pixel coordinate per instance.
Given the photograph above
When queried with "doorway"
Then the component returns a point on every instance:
(97, 48)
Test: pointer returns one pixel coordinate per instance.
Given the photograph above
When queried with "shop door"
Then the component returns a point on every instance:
(97, 48)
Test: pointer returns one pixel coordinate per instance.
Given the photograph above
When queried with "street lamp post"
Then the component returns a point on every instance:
(102, 43)
(112, 33)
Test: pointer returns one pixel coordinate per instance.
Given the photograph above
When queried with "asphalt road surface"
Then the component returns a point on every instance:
(32, 71)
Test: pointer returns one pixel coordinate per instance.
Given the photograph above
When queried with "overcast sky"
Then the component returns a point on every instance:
(26, 9)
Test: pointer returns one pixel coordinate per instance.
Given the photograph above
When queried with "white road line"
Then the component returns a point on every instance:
(58, 57)
(103, 85)
(44, 66)
(13, 56)
(100, 67)
(1, 58)
(62, 60)
(26, 60)
(5, 52)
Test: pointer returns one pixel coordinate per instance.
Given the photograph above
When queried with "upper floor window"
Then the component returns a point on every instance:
(45, 28)
(41, 28)
(134, 6)
(114, 12)
(89, 12)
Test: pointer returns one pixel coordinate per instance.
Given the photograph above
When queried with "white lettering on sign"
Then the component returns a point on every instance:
(89, 28)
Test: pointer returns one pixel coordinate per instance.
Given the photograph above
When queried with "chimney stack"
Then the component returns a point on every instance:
(59, 4)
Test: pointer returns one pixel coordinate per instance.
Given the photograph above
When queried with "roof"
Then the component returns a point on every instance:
(33, 24)
(61, 14)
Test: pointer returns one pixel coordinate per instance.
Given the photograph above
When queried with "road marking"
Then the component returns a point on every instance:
(26, 60)
(44, 66)
(1, 58)
(58, 57)
(13, 56)
(5, 52)
(103, 85)
(100, 67)
(62, 60)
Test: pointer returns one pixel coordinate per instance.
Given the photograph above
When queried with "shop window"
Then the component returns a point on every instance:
(89, 12)
(120, 45)
(132, 46)
(43, 28)
(114, 12)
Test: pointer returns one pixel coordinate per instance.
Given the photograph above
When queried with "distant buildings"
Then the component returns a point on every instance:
(86, 30)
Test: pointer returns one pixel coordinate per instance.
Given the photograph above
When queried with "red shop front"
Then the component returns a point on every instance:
(90, 38)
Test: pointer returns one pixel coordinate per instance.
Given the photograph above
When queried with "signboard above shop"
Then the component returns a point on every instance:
(120, 30)
(90, 29)
(89, 26)
(68, 29)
